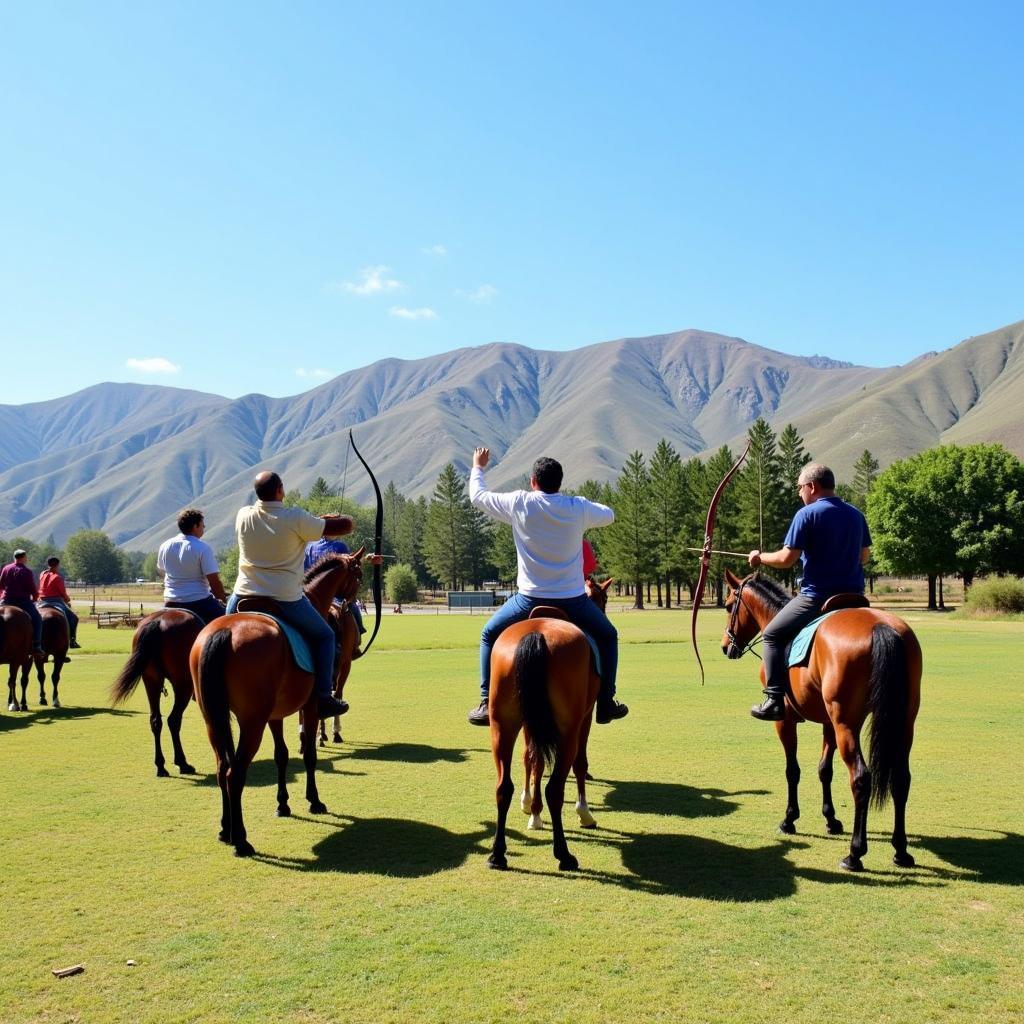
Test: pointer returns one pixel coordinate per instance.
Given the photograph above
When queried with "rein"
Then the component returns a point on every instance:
(730, 629)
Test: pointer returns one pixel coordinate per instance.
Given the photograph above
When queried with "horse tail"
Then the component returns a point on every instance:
(888, 690)
(145, 651)
(531, 667)
(214, 692)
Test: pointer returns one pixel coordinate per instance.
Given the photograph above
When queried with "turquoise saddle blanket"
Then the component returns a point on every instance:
(300, 649)
(800, 648)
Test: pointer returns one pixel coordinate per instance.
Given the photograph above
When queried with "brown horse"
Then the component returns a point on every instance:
(160, 649)
(530, 802)
(544, 683)
(242, 663)
(346, 633)
(55, 644)
(16, 651)
(863, 661)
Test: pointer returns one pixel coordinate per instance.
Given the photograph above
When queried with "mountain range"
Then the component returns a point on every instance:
(124, 458)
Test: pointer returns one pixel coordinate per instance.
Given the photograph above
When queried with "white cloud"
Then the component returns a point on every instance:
(423, 313)
(435, 250)
(317, 374)
(154, 364)
(484, 293)
(371, 281)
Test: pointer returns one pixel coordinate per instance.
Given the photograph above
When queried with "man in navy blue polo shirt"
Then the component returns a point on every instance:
(831, 538)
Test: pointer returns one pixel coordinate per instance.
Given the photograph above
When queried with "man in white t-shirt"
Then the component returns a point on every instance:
(190, 570)
(548, 531)
(272, 541)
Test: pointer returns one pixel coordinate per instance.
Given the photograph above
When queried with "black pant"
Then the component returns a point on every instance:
(777, 636)
(208, 609)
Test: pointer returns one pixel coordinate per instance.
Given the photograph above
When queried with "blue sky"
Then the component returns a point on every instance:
(246, 197)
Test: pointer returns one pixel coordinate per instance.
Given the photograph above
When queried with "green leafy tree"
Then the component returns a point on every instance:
(668, 499)
(446, 534)
(227, 560)
(320, 490)
(627, 542)
(400, 583)
(131, 564)
(90, 555)
(503, 552)
(149, 569)
(35, 554)
(479, 565)
(408, 541)
(601, 492)
(792, 458)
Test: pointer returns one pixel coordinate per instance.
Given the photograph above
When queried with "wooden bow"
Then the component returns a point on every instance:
(706, 553)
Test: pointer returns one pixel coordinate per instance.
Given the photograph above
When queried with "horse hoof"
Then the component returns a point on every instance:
(42, 702)
(787, 828)
(284, 811)
(336, 738)
(834, 827)
(224, 837)
(56, 703)
(186, 769)
(589, 825)
(586, 818)
(318, 807)
(497, 862)
(244, 849)
(851, 863)
(903, 860)
(568, 863)
(12, 706)
(323, 742)
(162, 772)
(525, 803)
(24, 705)
(536, 822)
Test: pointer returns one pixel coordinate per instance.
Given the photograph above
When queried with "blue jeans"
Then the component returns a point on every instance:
(28, 606)
(56, 602)
(581, 611)
(319, 635)
(208, 608)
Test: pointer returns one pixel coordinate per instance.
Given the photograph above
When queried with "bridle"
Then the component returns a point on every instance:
(730, 629)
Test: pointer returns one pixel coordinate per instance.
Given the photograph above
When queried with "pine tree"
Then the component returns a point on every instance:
(792, 458)
(412, 518)
(627, 544)
(320, 490)
(865, 471)
(760, 492)
(503, 552)
(727, 528)
(667, 502)
(446, 538)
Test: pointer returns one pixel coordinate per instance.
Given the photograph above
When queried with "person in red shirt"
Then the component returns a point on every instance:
(18, 588)
(589, 559)
(53, 594)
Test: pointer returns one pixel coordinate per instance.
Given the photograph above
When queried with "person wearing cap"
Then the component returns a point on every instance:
(190, 571)
(53, 594)
(18, 588)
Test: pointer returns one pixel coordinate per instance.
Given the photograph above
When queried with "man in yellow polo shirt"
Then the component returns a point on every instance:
(272, 541)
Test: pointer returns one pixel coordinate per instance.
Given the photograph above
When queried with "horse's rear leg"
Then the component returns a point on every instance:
(860, 785)
(12, 683)
(249, 736)
(41, 677)
(502, 745)
(580, 769)
(828, 749)
(58, 667)
(25, 670)
(786, 731)
(182, 695)
(900, 793)
(308, 742)
(281, 760)
(154, 683)
(554, 792)
(532, 802)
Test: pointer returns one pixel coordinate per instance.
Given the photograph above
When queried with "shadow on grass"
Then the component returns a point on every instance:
(672, 798)
(410, 753)
(263, 772)
(997, 858)
(396, 847)
(13, 720)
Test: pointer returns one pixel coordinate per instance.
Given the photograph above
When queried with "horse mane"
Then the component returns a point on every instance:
(772, 594)
(329, 561)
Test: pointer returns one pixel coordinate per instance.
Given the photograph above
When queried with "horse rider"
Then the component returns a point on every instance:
(832, 540)
(54, 594)
(18, 584)
(190, 571)
(331, 546)
(548, 531)
(272, 539)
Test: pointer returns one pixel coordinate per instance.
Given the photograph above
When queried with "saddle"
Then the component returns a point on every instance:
(837, 601)
(268, 607)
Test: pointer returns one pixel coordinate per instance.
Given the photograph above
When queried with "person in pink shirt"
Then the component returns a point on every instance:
(18, 588)
(54, 594)
(589, 559)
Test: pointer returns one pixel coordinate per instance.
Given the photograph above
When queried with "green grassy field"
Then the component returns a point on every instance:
(689, 905)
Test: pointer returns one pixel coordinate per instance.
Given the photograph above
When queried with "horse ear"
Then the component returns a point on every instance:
(358, 555)
(733, 581)
(607, 583)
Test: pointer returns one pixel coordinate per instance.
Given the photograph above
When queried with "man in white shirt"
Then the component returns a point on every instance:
(548, 531)
(272, 541)
(190, 570)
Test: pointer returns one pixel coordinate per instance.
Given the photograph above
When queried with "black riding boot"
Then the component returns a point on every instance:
(772, 708)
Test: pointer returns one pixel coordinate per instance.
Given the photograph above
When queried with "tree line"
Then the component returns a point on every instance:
(948, 510)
